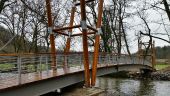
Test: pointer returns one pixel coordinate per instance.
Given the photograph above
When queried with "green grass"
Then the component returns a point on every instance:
(6, 66)
(161, 66)
(29, 67)
(32, 67)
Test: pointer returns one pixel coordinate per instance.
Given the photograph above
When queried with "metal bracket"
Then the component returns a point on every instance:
(74, 4)
(69, 34)
(83, 25)
(99, 31)
(50, 30)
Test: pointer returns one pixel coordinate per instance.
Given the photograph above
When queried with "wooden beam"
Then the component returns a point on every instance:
(73, 10)
(95, 30)
(67, 48)
(87, 1)
(97, 41)
(80, 34)
(52, 40)
(85, 44)
(66, 28)
(60, 33)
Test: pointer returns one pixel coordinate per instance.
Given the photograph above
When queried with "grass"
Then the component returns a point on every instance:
(161, 66)
(6, 66)
(29, 67)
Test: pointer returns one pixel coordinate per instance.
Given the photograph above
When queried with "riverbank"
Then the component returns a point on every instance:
(163, 74)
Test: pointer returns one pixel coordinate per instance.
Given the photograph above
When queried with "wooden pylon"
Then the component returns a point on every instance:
(84, 34)
(52, 40)
(97, 41)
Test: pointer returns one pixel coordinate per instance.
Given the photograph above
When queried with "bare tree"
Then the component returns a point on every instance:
(2, 4)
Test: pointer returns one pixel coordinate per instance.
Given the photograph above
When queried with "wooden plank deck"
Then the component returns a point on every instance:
(13, 81)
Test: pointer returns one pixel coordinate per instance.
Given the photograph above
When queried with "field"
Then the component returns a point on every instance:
(161, 66)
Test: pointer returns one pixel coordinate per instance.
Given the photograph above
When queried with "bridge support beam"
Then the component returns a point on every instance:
(96, 46)
(67, 49)
(52, 40)
(153, 54)
(85, 44)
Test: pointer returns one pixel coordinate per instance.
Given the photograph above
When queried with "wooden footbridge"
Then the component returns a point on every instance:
(33, 75)
(36, 74)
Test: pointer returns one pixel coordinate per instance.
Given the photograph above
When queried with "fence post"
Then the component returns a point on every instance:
(133, 60)
(117, 59)
(19, 69)
(46, 62)
(40, 63)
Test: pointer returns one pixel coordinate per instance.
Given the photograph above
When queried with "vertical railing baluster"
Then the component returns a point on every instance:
(19, 69)
(41, 63)
(46, 63)
(99, 60)
(108, 59)
(67, 57)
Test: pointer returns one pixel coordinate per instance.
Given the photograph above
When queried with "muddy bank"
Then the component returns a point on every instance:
(130, 75)
(163, 74)
(160, 76)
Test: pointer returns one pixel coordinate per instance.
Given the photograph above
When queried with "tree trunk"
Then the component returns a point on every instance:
(167, 8)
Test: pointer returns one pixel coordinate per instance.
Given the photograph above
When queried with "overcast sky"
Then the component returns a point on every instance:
(153, 17)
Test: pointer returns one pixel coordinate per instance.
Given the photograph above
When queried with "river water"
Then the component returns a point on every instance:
(131, 87)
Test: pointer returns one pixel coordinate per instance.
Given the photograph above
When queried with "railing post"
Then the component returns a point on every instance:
(46, 63)
(80, 62)
(99, 59)
(65, 66)
(133, 58)
(108, 59)
(40, 66)
(118, 58)
(19, 69)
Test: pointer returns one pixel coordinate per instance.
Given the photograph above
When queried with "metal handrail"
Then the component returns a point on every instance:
(29, 63)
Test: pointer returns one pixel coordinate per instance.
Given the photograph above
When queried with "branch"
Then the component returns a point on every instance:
(154, 37)
(2, 4)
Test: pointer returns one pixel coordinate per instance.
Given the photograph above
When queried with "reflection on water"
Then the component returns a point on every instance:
(129, 87)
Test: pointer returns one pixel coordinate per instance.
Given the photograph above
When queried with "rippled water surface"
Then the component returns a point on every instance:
(127, 87)
(130, 87)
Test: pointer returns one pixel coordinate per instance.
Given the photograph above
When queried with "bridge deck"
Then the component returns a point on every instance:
(32, 77)
(38, 76)
(13, 81)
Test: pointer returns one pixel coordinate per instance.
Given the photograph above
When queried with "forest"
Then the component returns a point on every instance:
(24, 25)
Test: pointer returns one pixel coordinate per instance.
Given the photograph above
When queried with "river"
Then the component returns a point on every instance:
(130, 87)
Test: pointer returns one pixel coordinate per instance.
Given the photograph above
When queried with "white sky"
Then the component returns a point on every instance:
(151, 16)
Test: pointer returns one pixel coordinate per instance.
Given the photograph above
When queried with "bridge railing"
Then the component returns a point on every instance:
(13, 67)
(123, 59)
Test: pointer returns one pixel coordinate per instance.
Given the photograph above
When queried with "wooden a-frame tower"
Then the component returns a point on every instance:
(89, 79)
